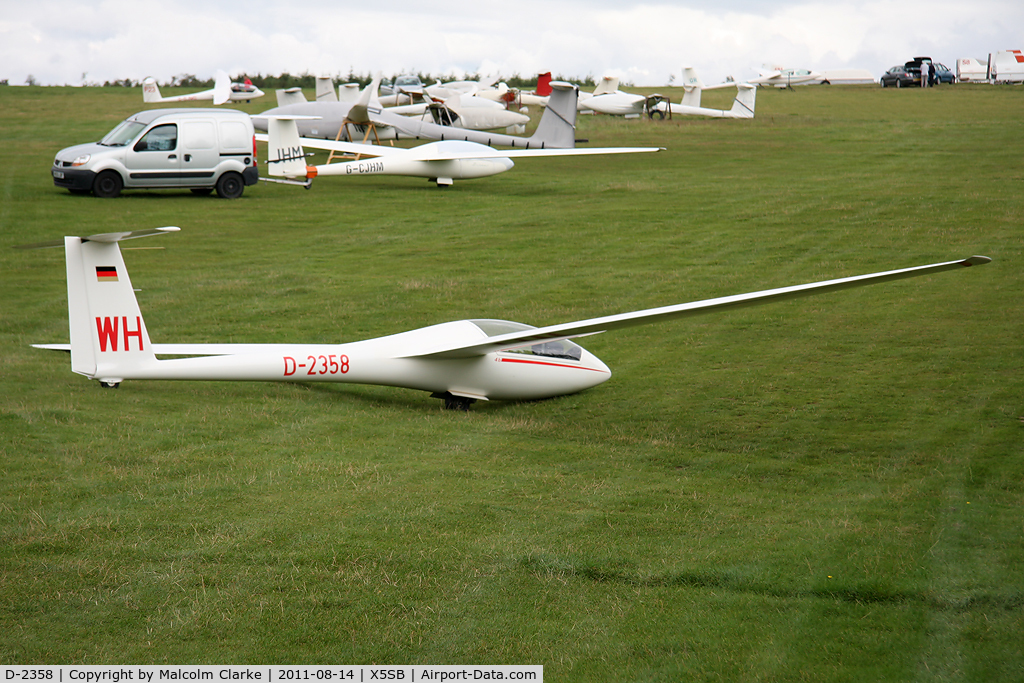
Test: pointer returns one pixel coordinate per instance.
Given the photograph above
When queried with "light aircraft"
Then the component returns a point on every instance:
(223, 91)
(461, 361)
(365, 120)
(442, 162)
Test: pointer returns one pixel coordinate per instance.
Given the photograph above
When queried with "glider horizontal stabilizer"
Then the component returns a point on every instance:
(104, 237)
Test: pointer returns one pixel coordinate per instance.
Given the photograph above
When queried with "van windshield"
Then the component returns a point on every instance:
(123, 134)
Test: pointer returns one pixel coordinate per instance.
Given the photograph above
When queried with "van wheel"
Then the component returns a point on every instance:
(202, 191)
(108, 184)
(230, 186)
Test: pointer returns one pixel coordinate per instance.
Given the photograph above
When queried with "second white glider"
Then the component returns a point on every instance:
(442, 162)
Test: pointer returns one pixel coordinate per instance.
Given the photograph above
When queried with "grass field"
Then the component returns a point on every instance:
(827, 489)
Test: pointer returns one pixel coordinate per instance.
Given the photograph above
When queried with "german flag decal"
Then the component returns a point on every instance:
(106, 273)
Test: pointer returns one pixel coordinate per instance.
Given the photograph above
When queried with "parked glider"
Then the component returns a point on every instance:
(442, 162)
(621, 103)
(459, 361)
(693, 86)
(780, 77)
(223, 91)
(366, 120)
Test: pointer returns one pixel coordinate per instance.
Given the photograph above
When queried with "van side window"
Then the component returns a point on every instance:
(159, 139)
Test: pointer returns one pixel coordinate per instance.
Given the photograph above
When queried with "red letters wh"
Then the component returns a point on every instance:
(107, 331)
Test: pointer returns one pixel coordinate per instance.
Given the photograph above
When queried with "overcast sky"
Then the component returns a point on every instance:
(59, 41)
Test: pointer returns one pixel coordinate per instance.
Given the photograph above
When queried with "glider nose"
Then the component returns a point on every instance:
(599, 372)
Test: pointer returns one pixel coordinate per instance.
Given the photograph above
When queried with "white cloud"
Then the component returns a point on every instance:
(57, 40)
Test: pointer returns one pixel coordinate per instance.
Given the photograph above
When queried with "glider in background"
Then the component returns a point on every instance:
(223, 91)
(780, 77)
(366, 120)
(621, 103)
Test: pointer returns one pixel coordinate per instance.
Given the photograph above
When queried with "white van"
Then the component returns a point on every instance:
(199, 149)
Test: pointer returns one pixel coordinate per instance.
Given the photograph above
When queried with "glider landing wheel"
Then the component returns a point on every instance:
(453, 402)
(110, 385)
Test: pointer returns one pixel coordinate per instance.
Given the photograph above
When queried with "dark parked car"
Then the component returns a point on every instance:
(901, 77)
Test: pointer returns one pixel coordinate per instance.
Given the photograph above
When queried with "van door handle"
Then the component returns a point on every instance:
(188, 157)
(172, 156)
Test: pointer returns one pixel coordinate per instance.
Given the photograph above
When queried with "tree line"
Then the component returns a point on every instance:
(308, 80)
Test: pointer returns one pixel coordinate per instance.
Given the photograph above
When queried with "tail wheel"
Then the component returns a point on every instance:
(108, 184)
(230, 186)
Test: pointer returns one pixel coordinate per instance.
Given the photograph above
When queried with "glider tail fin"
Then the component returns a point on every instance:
(543, 84)
(325, 89)
(109, 339)
(743, 105)
(284, 148)
(368, 97)
(692, 87)
(221, 88)
(608, 84)
(150, 91)
(348, 92)
(557, 127)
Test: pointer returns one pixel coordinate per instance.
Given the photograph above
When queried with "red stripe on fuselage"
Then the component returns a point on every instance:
(554, 365)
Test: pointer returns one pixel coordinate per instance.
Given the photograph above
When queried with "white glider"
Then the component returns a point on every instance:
(458, 361)
(621, 103)
(223, 91)
(441, 162)
(781, 77)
